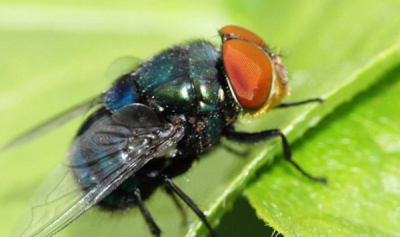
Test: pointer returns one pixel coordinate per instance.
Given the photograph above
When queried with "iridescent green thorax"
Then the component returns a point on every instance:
(185, 81)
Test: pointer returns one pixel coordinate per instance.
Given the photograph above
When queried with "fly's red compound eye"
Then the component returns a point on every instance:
(250, 74)
(232, 32)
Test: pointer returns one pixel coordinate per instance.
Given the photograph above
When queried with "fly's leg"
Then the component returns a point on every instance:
(178, 205)
(191, 204)
(150, 222)
(178, 166)
(265, 135)
(285, 105)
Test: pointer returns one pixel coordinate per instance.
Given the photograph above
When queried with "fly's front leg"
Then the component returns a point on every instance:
(265, 135)
(285, 105)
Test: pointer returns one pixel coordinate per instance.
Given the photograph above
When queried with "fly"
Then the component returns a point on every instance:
(153, 122)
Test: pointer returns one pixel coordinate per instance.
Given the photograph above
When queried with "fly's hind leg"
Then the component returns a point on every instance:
(178, 205)
(150, 222)
(179, 166)
(191, 204)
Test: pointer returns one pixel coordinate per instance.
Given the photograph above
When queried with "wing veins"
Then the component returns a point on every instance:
(111, 181)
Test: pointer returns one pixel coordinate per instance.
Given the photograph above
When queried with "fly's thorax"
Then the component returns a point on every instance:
(182, 81)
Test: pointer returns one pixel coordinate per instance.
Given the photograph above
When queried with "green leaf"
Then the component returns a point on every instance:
(357, 148)
(55, 56)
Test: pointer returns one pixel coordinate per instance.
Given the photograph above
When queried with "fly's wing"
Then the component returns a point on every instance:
(108, 150)
(53, 123)
(118, 68)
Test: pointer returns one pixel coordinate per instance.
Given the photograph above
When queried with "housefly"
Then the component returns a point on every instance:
(153, 122)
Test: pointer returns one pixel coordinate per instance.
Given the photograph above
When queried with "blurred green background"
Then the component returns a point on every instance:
(54, 55)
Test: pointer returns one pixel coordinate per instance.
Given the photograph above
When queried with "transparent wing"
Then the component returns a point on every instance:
(122, 66)
(108, 149)
(53, 123)
(118, 67)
